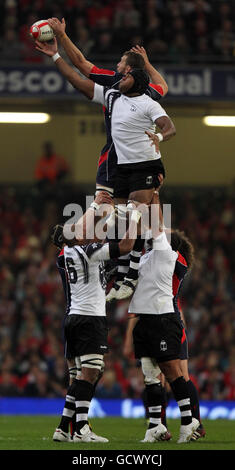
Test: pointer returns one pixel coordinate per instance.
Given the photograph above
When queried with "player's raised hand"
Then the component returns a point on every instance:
(47, 48)
(154, 138)
(57, 26)
(141, 50)
(103, 198)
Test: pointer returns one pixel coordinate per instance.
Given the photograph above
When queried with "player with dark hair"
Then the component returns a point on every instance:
(184, 262)
(139, 163)
(158, 330)
(85, 326)
(74, 369)
(182, 245)
(157, 338)
(136, 58)
(132, 59)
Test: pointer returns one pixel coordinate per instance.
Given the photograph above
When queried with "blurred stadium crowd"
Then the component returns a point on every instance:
(32, 299)
(174, 31)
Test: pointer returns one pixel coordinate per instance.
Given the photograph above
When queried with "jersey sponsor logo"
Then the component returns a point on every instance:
(163, 345)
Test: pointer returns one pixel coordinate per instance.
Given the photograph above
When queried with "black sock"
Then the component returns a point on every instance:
(164, 406)
(181, 394)
(144, 399)
(135, 258)
(194, 400)
(69, 408)
(73, 420)
(73, 425)
(154, 401)
(84, 395)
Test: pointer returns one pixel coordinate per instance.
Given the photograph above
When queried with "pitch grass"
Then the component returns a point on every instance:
(35, 433)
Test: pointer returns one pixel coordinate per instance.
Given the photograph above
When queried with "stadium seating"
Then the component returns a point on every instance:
(32, 298)
(172, 31)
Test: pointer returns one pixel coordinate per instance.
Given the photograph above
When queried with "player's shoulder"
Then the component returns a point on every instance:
(60, 262)
(61, 253)
(155, 92)
(148, 105)
(181, 260)
(91, 248)
(181, 266)
(161, 243)
(110, 91)
(67, 249)
(105, 76)
(101, 71)
(150, 102)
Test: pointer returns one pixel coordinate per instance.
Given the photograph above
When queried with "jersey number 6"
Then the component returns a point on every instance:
(73, 277)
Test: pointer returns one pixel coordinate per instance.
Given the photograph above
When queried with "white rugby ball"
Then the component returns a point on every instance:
(41, 31)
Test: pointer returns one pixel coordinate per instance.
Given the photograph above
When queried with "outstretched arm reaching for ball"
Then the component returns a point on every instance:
(85, 66)
(74, 54)
(85, 86)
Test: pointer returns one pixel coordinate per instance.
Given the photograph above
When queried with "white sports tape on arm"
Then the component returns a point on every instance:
(56, 56)
(159, 136)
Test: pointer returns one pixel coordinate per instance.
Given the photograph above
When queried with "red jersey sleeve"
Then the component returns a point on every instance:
(158, 88)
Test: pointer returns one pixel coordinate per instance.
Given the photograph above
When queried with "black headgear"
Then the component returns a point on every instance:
(57, 236)
(141, 81)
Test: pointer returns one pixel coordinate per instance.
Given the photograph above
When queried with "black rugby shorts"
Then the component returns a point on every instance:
(158, 337)
(85, 334)
(137, 176)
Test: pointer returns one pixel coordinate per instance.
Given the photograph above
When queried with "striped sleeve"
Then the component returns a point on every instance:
(103, 76)
(60, 260)
(155, 91)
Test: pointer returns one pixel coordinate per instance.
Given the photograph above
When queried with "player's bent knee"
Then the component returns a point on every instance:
(171, 370)
(150, 371)
(143, 196)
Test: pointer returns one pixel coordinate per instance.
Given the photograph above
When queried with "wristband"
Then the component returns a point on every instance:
(56, 56)
(160, 137)
(95, 206)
